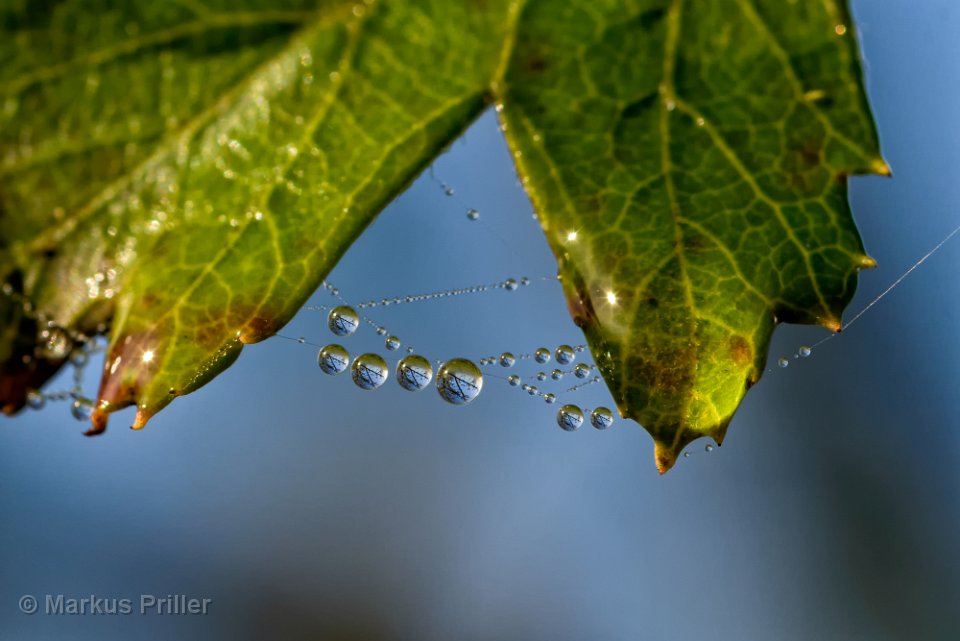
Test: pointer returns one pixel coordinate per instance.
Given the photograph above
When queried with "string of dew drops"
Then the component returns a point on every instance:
(458, 381)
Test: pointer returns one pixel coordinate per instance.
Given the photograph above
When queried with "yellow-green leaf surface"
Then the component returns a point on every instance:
(186, 173)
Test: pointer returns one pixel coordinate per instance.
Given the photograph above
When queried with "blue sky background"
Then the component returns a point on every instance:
(307, 508)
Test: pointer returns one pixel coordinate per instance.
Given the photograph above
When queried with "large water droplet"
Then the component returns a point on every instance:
(570, 417)
(369, 371)
(414, 372)
(582, 370)
(333, 359)
(459, 381)
(507, 359)
(601, 418)
(392, 343)
(565, 355)
(542, 355)
(343, 320)
(56, 344)
(81, 409)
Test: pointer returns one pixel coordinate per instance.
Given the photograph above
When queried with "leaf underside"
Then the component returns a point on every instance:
(185, 174)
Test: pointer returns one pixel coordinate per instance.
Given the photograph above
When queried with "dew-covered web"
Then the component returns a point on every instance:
(437, 298)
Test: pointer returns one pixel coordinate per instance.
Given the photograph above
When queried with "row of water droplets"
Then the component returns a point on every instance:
(459, 380)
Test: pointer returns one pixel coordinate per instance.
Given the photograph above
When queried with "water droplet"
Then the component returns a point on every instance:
(709, 447)
(582, 370)
(840, 29)
(565, 355)
(524, 281)
(459, 381)
(601, 418)
(542, 355)
(541, 376)
(333, 359)
(381, 331)
(782, 362)
(78, 358)
(414, 372)
(81, 409)
(35, 400)
(448, 191)
(369, 371)
(556, 375)
(392, 343)
(510, 284)
(686, 455)
(514, 380)
(549, 399)
(507, 359)
(700, 122)
(532, 390)
(56, 344)
(472, 214)
(570, 417)
(300, 340)
(805, 351)
(343, 320)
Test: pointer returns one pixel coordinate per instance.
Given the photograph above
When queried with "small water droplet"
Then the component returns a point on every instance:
(333, 359)
(782, 362)
(459, 381)
(81, 409)
(448, 191)
(78, 358)
(369, 371)
(532, 390)
(601, 418)
(709, 447)
(510, 284)
(582, 370)
(805, 351)
(381, 331)
(541, 376)
(472, 214)
(524, 281)
(343, 320)
(570, 417)
(514, 380)
(549, 399)
(392, 343)
(414, 372)
(565, 355)
(35, 400)
(686, 455)
(507, 359)
(556, 374)
(542, 355)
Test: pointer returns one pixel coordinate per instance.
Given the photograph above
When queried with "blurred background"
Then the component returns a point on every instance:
(306, 508)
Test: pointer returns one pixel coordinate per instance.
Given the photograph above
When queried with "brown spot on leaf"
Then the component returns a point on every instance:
(740, 351)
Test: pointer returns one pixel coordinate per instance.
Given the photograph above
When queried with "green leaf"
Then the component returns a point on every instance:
(189, 172)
